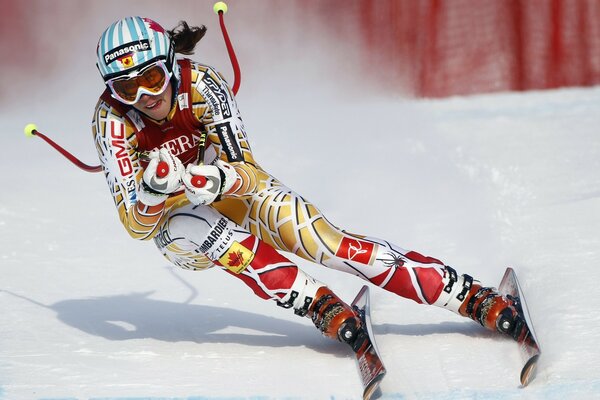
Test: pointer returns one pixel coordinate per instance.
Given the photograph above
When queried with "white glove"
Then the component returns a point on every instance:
(206, 183)
(155, 189)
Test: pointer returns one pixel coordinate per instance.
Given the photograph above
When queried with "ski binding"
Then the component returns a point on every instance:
(369, 364)
(528, 344)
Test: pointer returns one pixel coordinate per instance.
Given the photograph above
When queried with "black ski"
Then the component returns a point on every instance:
(368, 361)
(528, 343)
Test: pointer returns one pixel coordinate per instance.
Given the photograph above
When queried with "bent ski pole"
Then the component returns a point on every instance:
(220, 8)
(31, 130)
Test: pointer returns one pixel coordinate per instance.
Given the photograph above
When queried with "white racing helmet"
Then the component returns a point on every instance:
(131, 44)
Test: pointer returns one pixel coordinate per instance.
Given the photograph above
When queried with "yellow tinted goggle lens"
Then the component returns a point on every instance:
(152, 79)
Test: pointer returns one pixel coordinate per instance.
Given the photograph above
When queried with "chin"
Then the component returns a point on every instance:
(159, 113)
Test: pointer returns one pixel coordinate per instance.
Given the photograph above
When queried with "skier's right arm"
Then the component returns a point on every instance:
(116, 144)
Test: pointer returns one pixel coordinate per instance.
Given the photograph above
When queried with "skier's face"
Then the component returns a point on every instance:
(156, 107)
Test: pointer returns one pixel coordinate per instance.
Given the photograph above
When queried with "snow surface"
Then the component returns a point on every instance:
(482, 182)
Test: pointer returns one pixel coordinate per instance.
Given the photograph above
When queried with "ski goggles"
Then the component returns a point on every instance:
(151, 80)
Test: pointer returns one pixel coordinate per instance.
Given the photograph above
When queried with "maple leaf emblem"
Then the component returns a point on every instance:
(236, 258)
(126, 61)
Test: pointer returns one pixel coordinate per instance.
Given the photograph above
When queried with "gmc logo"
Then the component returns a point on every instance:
(117, 141)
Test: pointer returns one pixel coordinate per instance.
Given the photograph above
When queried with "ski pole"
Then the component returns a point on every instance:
(200, 181)
(31, 130)
(219, 8)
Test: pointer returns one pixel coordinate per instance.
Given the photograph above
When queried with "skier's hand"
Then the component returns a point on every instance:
(156, 187)
(206, 183)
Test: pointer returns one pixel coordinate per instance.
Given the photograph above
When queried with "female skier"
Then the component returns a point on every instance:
(219, 207)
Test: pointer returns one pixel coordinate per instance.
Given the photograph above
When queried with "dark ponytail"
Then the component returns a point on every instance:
(185, 37)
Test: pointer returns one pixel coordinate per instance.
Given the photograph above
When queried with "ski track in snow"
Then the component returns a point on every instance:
(481, 182)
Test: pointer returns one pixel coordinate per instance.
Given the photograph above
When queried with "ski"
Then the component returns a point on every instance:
(369, 364)
(528, 344)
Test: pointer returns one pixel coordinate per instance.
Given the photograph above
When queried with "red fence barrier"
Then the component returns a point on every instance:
(436, 48)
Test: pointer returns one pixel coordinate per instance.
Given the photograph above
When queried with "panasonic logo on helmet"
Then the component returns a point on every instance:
(126, 49)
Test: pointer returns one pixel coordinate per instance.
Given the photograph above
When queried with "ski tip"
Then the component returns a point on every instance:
(364, 291)
(529, 370)
(372, 391)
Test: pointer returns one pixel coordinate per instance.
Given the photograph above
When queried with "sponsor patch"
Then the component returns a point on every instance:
(217, 241)
(118, 144)
(182, 101)
(228, 142)
(237, 258)
(182, 144)
(216, 97)
(125, 50)
(355, 250)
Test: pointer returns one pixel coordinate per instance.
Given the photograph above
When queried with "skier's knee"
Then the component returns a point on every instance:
(192, 223)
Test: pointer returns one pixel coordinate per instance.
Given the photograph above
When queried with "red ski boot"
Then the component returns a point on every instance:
(494, 311)
(336, 319)
(465, 296)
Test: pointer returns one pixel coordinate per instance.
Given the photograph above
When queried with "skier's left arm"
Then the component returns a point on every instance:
(235, 168)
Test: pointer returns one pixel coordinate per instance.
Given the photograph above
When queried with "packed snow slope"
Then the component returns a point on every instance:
(481, 182)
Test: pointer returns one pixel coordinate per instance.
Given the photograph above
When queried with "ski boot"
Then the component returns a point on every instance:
(334, 318)
(467, 297)
(494, 311)
(337, 320)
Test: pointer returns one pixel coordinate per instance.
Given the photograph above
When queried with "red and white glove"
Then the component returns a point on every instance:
(156, 186)
(206, 183)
